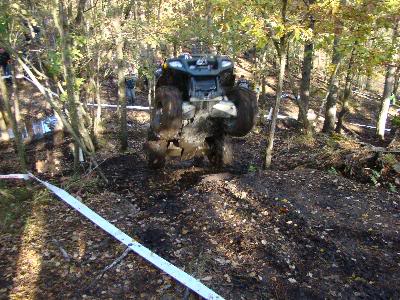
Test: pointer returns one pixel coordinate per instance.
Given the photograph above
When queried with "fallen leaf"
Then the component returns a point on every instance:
(292, 280)
(207, 278)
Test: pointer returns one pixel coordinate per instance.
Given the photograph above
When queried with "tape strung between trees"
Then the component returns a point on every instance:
(133, 107)
(184, 278)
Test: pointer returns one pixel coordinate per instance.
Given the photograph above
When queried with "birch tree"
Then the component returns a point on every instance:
(389, 83)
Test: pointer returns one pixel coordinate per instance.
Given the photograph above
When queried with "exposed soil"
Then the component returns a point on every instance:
(296, 231)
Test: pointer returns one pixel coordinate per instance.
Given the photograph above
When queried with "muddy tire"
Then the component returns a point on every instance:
(246, 105)
(156, 153)
(219, 152)
(167, 115)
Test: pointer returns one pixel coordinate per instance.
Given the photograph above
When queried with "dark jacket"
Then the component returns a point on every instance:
(130, 82)
(4, 58)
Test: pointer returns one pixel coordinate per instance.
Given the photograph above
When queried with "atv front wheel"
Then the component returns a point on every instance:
(156, 152)
(219, 152)
(167, 116)
(246, 106)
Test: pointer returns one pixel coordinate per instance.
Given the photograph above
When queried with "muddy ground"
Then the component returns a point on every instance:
(299, 230)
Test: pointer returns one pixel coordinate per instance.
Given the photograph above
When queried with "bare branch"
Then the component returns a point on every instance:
(110, 266)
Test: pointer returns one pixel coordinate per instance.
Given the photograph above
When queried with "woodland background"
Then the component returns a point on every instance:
(310, 206)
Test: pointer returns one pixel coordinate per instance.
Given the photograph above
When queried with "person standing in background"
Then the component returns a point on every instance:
(130, 82)
(5, 63)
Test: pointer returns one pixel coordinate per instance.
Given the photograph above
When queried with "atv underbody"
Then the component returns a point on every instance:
(195, 110)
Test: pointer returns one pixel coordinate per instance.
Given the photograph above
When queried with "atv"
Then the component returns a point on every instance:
(196, 108)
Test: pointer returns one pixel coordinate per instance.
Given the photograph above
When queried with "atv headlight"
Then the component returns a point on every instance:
(226, 63)
(175, 64)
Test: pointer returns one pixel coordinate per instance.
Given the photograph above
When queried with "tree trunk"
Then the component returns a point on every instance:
(305, 83)
(69, 76)
(19, 145)
(159, 10)
(98, 99)
(306, 76)
(3, 126)
(288, 62)
(330, 110)
(263, 83)
(270, 144)
(396, 82)
(295, 91)
(80, 11)
(4, 116)
(174, 49)
(281, 47)
(346, 95)
(388, 89)
(77, 123)
(15, 96)
(368, 83)
(121, 85)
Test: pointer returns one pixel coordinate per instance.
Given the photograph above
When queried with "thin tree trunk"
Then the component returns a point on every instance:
(396, 82)
(175, 49)
(3, 126)
(303, 111)
(263, 83)
(330, 110)
(270, 145)
(80, 11)
(77, 120)
(288, 62)
(4, 116)
(159, 10)
(68, 74)
(263, 76)
(346, 95)
(98, 99)
(19, 145)
(368, 83)
(388, 89)
(306, 77)
(281, 47)
(16, 99)
(121, 85)
(305, 83)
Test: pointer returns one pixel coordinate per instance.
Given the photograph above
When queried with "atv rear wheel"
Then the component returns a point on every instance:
(219, 152)
(246, 106)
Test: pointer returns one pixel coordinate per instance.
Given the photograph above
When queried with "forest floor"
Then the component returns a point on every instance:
(299, 230)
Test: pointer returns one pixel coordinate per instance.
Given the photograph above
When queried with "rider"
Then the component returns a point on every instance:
(185, 55)
(243, 82)
(158, 71)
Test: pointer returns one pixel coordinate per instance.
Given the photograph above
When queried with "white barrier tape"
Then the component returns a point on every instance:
(269, 116)
(135, 107)
(153, 258)
(367, 126)
(15, 176)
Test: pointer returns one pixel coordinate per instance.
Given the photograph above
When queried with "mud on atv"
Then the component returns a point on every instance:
(195, 110)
